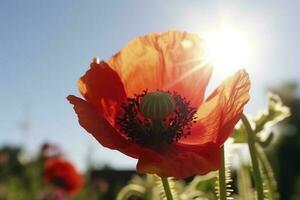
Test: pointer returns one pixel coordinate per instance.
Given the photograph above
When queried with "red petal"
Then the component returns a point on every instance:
(221, 111)
(168, 61)
(96, 124)
(180, 161)
(101, 86)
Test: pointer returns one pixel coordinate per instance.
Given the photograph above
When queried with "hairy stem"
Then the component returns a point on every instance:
(254, 158)
(268, 171)
(222, 178)
(167, 189)
(131, 190)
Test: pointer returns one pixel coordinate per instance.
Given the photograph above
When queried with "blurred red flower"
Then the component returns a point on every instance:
(63, 175)
(179, 135)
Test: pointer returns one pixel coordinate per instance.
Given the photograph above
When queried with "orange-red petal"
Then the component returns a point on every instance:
(180, 161)
(168, 61)
(94, 123)
(101, 86)
(218, 115)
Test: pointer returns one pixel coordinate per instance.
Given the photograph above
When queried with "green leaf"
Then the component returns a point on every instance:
(274, 113)
(239, 135)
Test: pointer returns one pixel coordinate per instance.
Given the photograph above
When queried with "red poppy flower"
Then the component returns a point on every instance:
(148, 103)
(62, 174)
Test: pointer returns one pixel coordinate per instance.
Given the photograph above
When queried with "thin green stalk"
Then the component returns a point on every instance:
(268, 171)
(167, 189)
(254, 158)
(222, 178)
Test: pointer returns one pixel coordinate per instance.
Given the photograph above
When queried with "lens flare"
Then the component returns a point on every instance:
(227, 51)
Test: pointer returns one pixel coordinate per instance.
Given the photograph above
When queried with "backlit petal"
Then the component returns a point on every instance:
(97, 125)
(102, 87)
(168, 61)
(219, 114)
(180, 161)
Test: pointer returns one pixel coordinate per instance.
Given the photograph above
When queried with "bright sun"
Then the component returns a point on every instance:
(227, 51)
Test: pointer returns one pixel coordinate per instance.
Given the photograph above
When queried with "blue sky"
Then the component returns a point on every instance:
(46, 45)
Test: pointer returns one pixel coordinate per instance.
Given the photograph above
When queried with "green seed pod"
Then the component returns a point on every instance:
(157, 105)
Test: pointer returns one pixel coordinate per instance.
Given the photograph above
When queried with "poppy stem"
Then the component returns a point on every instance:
(269, 174)
(254, 158)
(222, 178)
(167, 189)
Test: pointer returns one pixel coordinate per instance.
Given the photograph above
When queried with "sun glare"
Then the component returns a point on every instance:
(227, 51)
